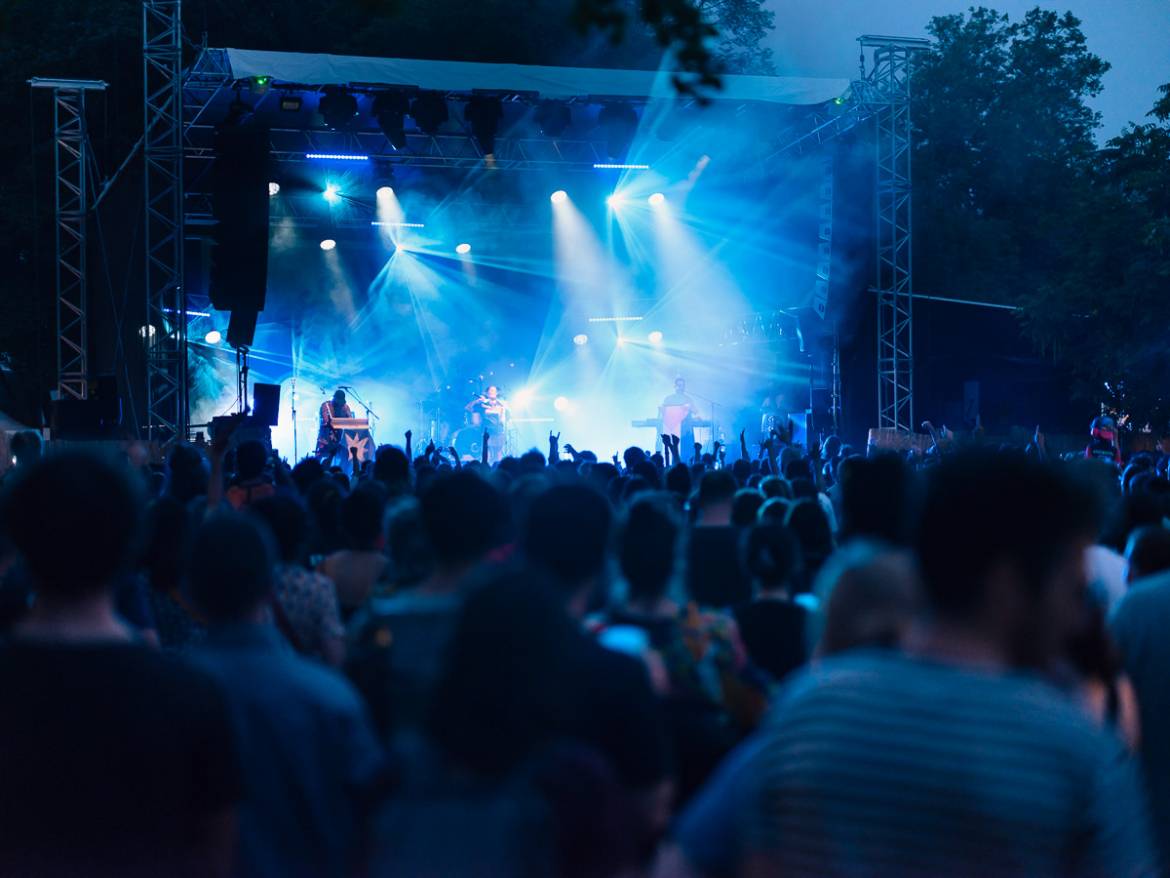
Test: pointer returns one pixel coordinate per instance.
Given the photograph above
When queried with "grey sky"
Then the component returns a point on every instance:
(817, 38)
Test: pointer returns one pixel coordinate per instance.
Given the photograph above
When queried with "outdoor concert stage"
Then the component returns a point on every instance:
(578, 238)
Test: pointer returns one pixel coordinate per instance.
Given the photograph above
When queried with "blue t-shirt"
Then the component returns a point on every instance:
(1139, 626)
(876, 763)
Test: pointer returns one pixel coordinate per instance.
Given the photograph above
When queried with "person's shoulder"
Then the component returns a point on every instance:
(1148, 595)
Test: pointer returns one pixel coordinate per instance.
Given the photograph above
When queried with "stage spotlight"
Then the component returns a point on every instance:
(580, 339)
(483, 115)
(553, 117)
(618, 122)
(390, 109)
(328, 244)
(274, 188)
(655, 337)
(463, 249)
(290, 103)
(429, 111)
(656, 199)
(613, 200)
(338, 109)
(332, 193)
(561, 404)
(559, 196)
(523, 397)
(384, 192)
(213, 337)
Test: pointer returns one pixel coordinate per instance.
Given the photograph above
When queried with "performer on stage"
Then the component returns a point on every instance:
(493, 411)
(677, 411)
(329, 439)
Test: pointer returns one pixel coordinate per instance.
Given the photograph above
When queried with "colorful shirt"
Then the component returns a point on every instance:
(309, 600)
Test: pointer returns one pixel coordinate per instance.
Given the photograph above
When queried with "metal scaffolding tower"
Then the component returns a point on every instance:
(165, 332)
(71, 198)
(889, 94)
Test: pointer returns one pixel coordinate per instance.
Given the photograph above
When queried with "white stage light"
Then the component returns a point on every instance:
(580, 339)
(463, 249)
(655, 337)
(384, 192)
(656, 199)
(613, 200)
(213, 337)
(561, 404)
(332, 193)
(559, 196)
(328, 244)
(273, 188)
(523, 397)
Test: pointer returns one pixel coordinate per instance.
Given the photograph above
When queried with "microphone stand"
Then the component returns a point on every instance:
(370, 413)
(714, 422)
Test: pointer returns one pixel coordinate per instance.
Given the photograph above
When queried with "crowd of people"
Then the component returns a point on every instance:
(786, 661)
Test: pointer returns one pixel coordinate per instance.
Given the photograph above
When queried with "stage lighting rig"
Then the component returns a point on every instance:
(618, 122)
(338, 109)
(390, 109)
(483, 114)
(429, 111)
(553, 118)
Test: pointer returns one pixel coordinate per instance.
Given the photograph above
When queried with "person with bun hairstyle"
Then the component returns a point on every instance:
(773, 626)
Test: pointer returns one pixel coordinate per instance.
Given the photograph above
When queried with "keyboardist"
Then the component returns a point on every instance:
(328, 437)
(678, 410)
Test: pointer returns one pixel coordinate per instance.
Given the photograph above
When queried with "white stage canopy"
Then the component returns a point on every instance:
(550, 82)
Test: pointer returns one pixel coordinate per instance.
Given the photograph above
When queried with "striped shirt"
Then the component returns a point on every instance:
(879, 764)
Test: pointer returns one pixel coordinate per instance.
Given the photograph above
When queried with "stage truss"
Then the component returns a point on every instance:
(887, 92)
(165, 331)
(71, 198)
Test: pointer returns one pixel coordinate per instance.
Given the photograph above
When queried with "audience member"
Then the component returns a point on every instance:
(1147, 553)
(251, 482)
(311, 763)
(150, 785)
(358, 567)
(774, 628)
(1001, 545)
(304, 606)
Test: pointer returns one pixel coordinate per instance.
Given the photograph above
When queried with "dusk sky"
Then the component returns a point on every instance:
(817, 38)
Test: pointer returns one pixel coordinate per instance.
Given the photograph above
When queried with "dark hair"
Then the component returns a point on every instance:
(809, 524)
(231, 566)
(678, 480)
(361, 515)
(411, 558)
(803, 489)
(1149, 550)
(648, 471)
(647, 542)
(745, 507)
(717, 486)
(775, 509)
(770, 554)
(324, 502)
(567, 532)
(288, 522)
(875, 498)
(532, 461)
(306, 474)
(25, 446)
(741, 469)
(186, 476)
(981, 510)
(166, 538)
(74, 518)
(774, 486)
(391, 467)
(461, 514)
(251, 456)
(798, 469)
(475, 721)
(633, 456)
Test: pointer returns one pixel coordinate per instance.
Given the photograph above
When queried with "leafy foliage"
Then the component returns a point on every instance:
(1015, 202)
